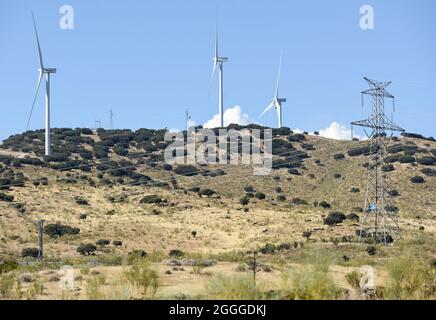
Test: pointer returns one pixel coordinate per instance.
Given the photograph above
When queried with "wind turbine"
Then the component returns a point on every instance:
(277, 102)
(219, 61)
(41, 72)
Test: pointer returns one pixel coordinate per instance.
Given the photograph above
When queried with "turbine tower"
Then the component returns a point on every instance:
(277, 102)
(219, 61)
(41, 72)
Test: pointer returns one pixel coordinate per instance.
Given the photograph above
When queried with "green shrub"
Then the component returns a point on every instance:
(339, 156)
(142, 276)
(249, 189)
(150, 199)
(427, 161)
(81, 201)
(324, 204)
(176, 253)
(429, 172)
(30, 252)
(86, 249)
(353, 217)
(117, 243)
(299, 202)
(6, 198)
(245, 200)
(10, 287)
(207, 192)
(310, 283)
(186, 170)
(334, 218)
(353, 279)
(417, 179)
(388, 168)
(93, 287)
(359, 151)
(281, 198)
(371, 250)
(102, 242)
(223, 287)
(410, 279)
(59, 230)
(406, 159)
(260, 195)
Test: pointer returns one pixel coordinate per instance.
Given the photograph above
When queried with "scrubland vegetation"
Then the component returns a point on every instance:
(133, 227)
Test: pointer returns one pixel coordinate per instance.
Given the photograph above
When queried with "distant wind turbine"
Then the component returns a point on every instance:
(43, 71)
(219, 61)
(277, 102)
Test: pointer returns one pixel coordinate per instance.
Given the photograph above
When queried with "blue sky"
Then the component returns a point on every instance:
(150, 60)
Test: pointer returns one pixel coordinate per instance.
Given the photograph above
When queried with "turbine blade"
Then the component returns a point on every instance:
(41, 65)
(278, 77)
(272, 104)
(216, 44)
(34, 99)
(213, 74)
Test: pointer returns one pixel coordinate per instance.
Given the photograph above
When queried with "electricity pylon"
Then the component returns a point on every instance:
(380, 220)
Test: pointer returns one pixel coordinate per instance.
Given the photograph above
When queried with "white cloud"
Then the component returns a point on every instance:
(336, 131)
(231, 115)
(296, 130)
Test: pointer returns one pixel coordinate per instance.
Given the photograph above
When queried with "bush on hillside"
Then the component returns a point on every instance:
(260, 195)
(245, 200)
(406, 159)
(417, 179)
(339, 156)
(176, 253)
(30, 252)
(334, 218)
(388, 168)
(427, 161)
(59, 230)
(151, 199)
(102, 242)
(324, 204)
(86, 249)
(429, 172)
(206, 192)
(186, 170)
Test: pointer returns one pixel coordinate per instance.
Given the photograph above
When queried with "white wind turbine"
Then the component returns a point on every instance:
(41, 72)
(219, 61)
(277, 102)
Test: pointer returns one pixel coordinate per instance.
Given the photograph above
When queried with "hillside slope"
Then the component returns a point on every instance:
(95, 181)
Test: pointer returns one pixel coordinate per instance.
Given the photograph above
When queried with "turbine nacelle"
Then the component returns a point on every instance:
(48, 70)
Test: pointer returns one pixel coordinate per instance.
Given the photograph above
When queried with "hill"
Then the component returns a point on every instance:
(114, 185)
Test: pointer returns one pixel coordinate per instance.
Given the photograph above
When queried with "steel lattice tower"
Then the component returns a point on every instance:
(380, 220)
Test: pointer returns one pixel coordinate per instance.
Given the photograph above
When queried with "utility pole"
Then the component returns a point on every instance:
(380, 220)
(187, 119)
(254, 266)
(111, 119)
(40, 227)
(97, 124)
